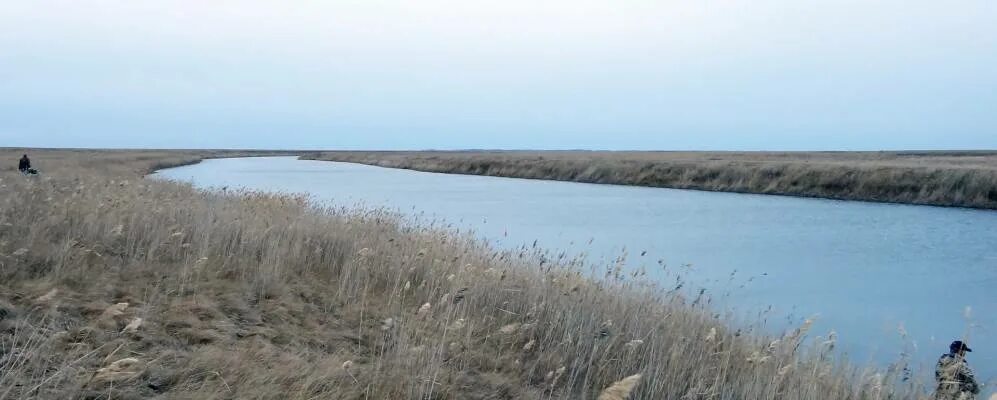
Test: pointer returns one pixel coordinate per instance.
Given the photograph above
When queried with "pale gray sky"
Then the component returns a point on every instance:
(606, 74)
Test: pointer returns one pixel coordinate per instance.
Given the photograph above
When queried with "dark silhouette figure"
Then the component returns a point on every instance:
(24, 165)
(955, 378)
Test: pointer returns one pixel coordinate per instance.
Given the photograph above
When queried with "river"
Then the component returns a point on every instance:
(868, 271)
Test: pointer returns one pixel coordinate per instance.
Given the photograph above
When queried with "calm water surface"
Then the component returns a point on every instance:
(865, 269)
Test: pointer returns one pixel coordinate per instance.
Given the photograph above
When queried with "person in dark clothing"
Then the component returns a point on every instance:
(24, 164)
(955, 378)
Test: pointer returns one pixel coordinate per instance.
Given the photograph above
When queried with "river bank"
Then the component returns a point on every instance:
(114, 285)
(951, 179)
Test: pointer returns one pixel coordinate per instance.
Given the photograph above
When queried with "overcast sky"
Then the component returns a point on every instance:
(599, 74)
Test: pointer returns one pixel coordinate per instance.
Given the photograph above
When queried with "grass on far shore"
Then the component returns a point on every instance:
(117, 287)
(941, 178)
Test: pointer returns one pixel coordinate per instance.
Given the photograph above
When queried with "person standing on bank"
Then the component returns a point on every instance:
(955, 378)
(24, 164)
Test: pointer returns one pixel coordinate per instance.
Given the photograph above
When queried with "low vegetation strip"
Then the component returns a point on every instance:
(957, 179)
(114, 286)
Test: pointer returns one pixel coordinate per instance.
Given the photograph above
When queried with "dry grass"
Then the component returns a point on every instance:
(131, 164)
(112, 286)
(963, 179)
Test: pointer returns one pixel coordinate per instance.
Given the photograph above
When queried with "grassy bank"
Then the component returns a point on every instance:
(114, 286)
(56, 163)
(961, 179)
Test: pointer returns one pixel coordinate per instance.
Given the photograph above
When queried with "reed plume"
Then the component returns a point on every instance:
(620, 390)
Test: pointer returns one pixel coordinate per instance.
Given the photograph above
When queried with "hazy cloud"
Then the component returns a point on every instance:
(738, 74)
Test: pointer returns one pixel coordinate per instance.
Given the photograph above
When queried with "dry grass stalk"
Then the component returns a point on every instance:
(123, 369)
(509, 329)
(425, 311)
(711, 336)
(114, 311)
(133, 326)
(48, 296)
(621, 389)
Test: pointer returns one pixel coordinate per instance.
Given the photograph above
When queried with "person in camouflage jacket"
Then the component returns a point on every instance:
(955, 378)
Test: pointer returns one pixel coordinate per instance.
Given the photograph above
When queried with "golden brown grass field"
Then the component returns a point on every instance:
(114, 286)
(941, 178)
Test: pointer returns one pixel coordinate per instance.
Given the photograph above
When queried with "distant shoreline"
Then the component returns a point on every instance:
(937, 178)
